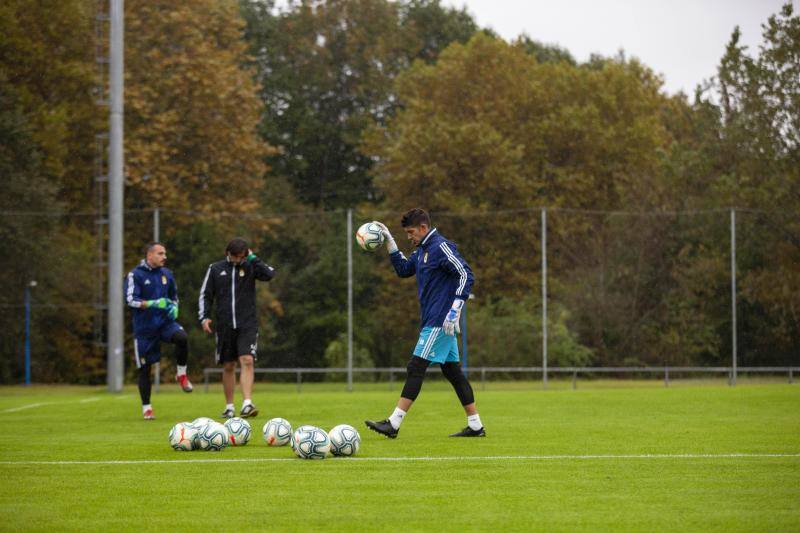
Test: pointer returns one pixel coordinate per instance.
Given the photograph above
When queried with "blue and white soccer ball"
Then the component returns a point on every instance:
(345, 440)
(213, 437)
(202, 422)
(277, 432)
(369, 236)
(183, 437)
(310, 442)
(239, 431)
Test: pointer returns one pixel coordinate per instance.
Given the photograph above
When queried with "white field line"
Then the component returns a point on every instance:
(29, 406)
(419, 459)
(85, 400)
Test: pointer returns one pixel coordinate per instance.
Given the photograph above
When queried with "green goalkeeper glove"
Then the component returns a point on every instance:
(160, 303)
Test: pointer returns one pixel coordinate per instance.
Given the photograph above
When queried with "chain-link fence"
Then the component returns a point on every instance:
(622, 290)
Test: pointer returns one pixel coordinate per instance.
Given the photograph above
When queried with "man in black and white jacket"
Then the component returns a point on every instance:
(231, 283)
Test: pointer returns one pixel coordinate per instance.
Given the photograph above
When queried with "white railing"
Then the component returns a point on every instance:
(573, 371)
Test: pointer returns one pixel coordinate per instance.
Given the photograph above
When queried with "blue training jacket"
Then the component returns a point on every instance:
(442, 276)
(145, 283)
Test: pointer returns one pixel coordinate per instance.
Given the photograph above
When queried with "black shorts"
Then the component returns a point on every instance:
(232, 343)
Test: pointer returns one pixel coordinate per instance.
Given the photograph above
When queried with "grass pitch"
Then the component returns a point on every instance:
(635, 458)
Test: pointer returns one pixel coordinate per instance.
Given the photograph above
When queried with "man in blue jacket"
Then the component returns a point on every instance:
(444, 281)
(151, 292)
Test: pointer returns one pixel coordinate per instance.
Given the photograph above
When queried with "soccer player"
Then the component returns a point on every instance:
(151, 292)
(443, 283)
(231, 283)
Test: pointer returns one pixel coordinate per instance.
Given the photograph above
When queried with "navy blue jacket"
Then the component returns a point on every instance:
(442, 276)
(145, 283)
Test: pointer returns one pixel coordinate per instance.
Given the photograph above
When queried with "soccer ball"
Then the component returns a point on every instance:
(369, 236)
(213, 437)
(183, 437)
(202, 422)
(239, 431)
(310, 442)
(345, 440)
(277, 432)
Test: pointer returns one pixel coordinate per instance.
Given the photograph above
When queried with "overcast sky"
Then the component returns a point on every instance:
(681, 39)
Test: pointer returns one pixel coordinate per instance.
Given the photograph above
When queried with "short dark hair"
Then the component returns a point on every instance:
(415, 217)
(237, 246)
(150, 245)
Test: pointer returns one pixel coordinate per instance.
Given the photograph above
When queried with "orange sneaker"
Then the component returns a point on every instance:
(148, 414)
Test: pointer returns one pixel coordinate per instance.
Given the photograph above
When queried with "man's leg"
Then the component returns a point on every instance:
(229, 380)
(452, 371)
(181, 342)
(247, 367)
(415, 374)
(144, 391)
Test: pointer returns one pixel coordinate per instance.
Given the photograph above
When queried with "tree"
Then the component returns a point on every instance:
(757, 166)
(192, 109)
(327, 70)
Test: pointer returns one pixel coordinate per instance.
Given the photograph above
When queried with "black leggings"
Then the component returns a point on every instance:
(452, 371)
(180, 340)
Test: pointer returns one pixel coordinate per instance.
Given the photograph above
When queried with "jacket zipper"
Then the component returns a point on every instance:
(233, 294)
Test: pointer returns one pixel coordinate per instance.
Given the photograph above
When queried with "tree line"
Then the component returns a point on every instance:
(268, 121)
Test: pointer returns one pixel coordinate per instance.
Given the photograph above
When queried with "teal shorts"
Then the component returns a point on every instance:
(436, 347)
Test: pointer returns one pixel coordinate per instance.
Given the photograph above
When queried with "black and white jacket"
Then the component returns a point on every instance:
(233, 288)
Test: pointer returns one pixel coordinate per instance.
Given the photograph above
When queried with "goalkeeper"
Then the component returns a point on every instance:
(151, 292)
(444, 281)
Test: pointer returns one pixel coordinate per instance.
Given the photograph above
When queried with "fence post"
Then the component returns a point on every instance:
(349, 300)
(483, 378)
(544, 297)
(791, 376)
(574, 380)
(299, 380)
(666, 376)
(205, 381)
(733, 296)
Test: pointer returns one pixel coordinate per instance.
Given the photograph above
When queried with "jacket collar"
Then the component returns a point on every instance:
(145, 266)
(427, 238)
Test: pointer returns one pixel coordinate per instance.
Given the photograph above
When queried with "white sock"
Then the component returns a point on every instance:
(474, 422)
(146, 407)
(230, 406)
(246, 403)
(397, 417)
(181, 370)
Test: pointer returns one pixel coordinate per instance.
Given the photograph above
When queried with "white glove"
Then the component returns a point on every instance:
(391, 246)
(450, 325)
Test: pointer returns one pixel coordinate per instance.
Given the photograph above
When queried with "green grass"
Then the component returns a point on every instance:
(473, 488)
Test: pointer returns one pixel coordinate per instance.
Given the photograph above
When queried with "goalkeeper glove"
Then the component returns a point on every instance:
(251, 256)
(160, 303)
(450, 325)
(172, 310)
(391, 246)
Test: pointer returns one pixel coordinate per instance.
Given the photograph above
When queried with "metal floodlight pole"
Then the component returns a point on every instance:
(349, 300)
(115, 198)
(733, 297)
(544, 298)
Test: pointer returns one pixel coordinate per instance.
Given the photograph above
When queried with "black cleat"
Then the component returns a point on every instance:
(384, 427)
(469, 432)
(249, 411)
(228, 413)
